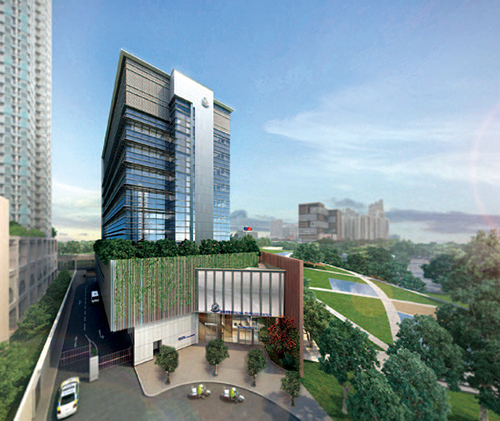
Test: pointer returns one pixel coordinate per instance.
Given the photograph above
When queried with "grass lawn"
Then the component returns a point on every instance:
(333, 269)
(325, 389)
(401, 294)
(276, 251)
(320, 279)
(464, 407)
(328, 393)
(369, 313)
(445, 297)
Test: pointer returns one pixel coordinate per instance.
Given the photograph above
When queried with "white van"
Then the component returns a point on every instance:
(94, 297)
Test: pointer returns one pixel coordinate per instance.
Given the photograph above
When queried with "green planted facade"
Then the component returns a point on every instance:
(148, 290)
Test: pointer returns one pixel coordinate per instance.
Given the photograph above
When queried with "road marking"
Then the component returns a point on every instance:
(100, 335)
(79, 302)
(84, 327)
(85, 318)
(76, 340)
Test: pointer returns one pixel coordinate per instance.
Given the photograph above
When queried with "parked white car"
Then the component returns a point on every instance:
(94, 297)
(69, 393)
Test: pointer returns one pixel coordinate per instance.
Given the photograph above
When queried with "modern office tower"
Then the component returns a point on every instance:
(25, 110)
(165, 161)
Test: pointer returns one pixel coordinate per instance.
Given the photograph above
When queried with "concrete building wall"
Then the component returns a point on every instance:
(32, 267)
(177, 332)
(4, 269)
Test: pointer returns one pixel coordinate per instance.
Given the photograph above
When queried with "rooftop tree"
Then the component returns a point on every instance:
(475, 280)
(344, 351)
(417, 386)
(434, 344)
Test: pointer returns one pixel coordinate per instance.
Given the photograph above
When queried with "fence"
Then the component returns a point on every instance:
(74, 355)
(114, 359)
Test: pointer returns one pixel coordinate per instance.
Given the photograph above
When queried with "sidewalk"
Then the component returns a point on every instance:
(193, 369)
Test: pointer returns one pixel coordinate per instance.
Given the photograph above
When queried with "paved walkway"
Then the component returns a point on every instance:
(194, 369)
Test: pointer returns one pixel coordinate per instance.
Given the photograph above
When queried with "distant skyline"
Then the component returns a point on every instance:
(333, 101)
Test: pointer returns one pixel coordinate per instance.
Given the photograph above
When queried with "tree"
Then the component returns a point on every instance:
(216, 352)
(417, 386)
(264, 242)
(374, 399)
(36, 320)
(256, 363)
(345, 350)
(188, 248)
(291, 384)
(434, 344)
(209, 247)
(167, 248)
(146, 249)
(331, 255)
(54, 232)
(308, 252)
(316, 318)
(439, 267)
(284, 337)
(475, 280)
(168, 360)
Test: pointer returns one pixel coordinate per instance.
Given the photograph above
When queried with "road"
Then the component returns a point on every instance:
(416, 269)
(90, 320)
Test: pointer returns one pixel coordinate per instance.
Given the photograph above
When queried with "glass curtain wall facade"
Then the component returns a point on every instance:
(149, 158)
(25, 111)
(221, 173)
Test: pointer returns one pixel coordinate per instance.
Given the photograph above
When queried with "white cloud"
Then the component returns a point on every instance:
(76, 210)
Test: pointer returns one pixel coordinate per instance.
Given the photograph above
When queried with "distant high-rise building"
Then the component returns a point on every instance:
(366, 227)
(316, 222)
(25, 111)
(165, 162)
(276, 229)
(290, 232)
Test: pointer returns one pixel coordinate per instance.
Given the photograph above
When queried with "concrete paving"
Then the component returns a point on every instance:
(193, 369)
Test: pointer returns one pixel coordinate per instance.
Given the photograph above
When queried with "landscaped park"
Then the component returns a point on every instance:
(375, 307)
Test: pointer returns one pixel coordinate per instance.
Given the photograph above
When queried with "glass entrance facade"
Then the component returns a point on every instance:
(232, 329)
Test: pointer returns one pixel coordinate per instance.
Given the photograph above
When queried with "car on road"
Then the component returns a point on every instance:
(94, 297)
(69, 393)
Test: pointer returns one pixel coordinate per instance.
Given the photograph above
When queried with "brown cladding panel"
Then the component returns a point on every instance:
(294, 292)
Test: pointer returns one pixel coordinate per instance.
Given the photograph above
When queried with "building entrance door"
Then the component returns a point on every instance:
(212, 327)
(245, 336)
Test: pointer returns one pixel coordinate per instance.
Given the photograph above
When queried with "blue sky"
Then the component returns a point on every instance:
(333, 100)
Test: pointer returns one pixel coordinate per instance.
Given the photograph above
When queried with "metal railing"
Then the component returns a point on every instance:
(114, 359)
(74, 355)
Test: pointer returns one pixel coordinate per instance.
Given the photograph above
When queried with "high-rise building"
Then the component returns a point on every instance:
(25, 110)
(276, 229)
(316, 222)
(165, 162)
